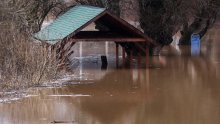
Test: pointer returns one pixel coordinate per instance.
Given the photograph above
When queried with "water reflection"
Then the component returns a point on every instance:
(183, 90)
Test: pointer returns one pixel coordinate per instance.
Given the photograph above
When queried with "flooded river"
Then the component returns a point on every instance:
(178, 88)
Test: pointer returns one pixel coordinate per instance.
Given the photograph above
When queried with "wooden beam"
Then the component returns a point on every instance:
(110, 39)
(107, 36)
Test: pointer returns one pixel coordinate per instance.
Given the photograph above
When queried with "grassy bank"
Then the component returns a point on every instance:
(24, 63)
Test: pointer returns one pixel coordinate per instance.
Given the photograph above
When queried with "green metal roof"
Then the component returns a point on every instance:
(68, 23)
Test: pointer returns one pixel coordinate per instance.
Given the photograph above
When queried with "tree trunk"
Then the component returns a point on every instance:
(199, 26)
(130, 12)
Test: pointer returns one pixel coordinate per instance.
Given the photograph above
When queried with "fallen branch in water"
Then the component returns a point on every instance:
(58, 122)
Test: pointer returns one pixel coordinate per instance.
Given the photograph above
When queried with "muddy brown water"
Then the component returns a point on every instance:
(178, 88)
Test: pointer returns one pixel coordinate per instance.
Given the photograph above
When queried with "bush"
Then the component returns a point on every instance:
(24, 62)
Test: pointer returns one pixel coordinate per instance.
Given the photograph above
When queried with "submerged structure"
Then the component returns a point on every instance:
(72, 27)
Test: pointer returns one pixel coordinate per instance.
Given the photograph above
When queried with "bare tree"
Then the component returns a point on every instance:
(203, 19)
(161, 19)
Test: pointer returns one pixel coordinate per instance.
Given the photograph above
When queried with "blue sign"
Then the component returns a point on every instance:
(195, 44)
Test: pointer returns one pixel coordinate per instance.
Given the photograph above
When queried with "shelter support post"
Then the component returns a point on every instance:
(131, 57)
(147, 56)
(138, 60)
(123, 55)
(117, 55)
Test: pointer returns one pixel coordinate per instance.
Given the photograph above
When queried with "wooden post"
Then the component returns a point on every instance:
(117, 59)
(104, 62)
(139, 60)
(131, 57)
(123, 55)
(147, 56)
(147, 84)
